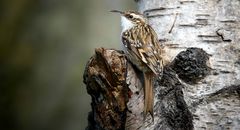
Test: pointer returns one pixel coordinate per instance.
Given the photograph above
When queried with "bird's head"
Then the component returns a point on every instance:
(130, 18)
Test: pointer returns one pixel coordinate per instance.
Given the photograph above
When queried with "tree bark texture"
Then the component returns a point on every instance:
(200, 87)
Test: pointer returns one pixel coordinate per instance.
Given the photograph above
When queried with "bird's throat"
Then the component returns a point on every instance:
(126, 24)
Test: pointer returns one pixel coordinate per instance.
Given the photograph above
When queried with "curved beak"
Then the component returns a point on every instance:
(116, 11)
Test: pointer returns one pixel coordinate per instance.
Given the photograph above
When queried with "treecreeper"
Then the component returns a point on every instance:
(143, 49)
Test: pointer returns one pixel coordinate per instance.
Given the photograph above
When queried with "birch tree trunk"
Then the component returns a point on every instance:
(214, 26)
(200, 87)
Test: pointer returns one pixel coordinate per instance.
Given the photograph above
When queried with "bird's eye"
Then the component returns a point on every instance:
(130, 16)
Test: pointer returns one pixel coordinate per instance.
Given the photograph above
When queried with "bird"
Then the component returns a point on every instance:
(143, 49)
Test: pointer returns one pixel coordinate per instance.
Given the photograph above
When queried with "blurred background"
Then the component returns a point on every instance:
(44, 46)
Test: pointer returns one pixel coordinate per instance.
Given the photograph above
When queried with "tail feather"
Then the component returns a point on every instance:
(148, 94)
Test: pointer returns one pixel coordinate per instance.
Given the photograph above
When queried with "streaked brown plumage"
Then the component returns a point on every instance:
(143, 49)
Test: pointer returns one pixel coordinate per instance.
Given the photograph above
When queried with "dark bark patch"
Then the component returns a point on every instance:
(225, 92)
(191, 65)
(172, 104)
(233, 90)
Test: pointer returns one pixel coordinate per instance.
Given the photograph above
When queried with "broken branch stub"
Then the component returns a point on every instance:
(105, 79)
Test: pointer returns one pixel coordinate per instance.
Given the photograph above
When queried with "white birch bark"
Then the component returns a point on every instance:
(214, 26)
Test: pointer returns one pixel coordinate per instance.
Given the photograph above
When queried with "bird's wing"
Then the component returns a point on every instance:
(142, 42)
